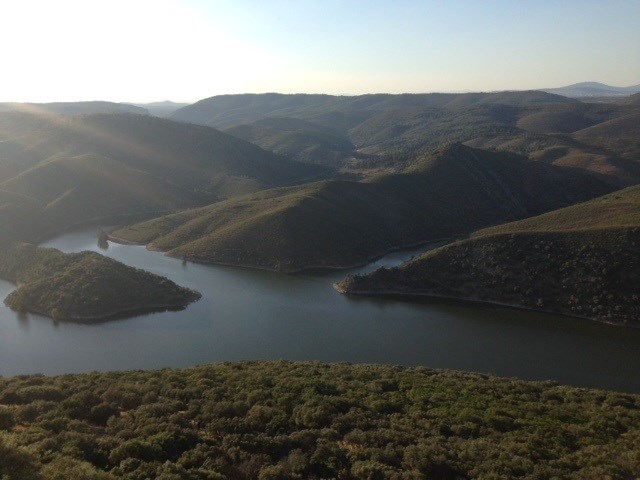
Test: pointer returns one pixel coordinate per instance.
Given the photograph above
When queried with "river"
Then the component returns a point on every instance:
(246, 314)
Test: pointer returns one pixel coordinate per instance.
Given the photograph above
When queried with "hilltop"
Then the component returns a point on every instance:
(229, 110)
(582, 260)
(84, 286)
(335, 224)
(593, 89)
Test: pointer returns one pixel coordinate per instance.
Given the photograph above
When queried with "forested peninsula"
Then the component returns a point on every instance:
(84, 286)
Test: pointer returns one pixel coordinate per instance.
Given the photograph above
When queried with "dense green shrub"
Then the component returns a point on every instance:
(283, 420)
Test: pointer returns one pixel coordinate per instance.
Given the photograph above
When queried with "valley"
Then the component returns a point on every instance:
(334, 183)
(320, 240)
(475, 235)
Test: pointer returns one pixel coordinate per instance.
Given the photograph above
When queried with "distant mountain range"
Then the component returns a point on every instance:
(385, 130)
(593, 89)
(340, 111)
(161, 109)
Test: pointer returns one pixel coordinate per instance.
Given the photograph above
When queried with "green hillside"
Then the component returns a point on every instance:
(284, 420)
(338, 223)
(187, 155)
(567, 118)
(415, 131)
(77, 190)
(620, 209)
(73, 170)
(391, 130)
(582, 260)
(84, 286)
(297, 139)
(620, 135)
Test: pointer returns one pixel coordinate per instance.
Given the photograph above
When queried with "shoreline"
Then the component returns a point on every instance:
(472, 301)
(438, 242)
(120, 314)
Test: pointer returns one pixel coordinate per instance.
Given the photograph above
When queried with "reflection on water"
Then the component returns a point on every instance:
(247, 314)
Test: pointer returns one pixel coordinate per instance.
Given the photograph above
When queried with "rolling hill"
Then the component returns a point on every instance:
(336, 224)
(230, 110)
(366, 132)
(621, 135)
(297, 139)
(77, 169)
(187, 155)
(582, 260)
(161, 109)
(593, 89)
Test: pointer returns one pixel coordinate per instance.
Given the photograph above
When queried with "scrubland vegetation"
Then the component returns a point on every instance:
(582, 260)
(281, 420)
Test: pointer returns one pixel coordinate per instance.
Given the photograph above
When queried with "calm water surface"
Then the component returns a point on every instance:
(245, 314)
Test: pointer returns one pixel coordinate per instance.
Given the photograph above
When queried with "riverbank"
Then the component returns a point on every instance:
(585, 274)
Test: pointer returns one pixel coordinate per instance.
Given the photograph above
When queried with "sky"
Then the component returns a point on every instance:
(152, 50)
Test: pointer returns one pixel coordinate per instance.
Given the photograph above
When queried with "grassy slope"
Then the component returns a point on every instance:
(339, 224)
(583, 260)
(84, 286)
(308, 420)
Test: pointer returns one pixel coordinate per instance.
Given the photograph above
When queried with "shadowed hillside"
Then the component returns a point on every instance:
(77, 169)
(621, 135)
(339, 224)
(187, 155)
(297, 139)
(79, 189)
(582, 260)
(634, 99)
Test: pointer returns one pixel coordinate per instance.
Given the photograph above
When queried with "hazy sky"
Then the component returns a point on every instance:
(147, 50)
